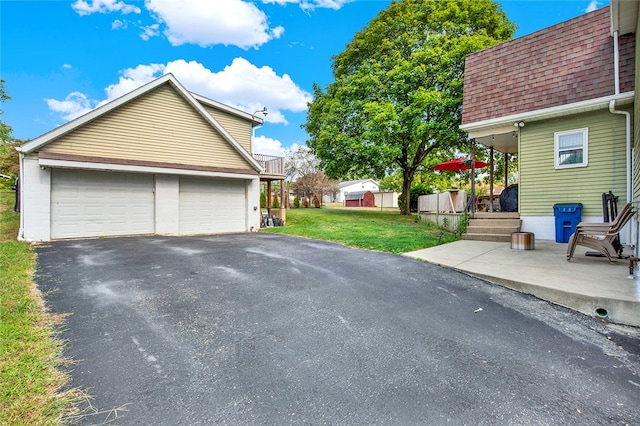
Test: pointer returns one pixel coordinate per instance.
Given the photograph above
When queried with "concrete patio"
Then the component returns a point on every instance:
(590, 285)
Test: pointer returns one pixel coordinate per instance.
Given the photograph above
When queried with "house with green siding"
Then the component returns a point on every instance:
(563, 99)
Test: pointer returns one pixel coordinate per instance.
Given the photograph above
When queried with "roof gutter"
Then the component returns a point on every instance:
(541, 114)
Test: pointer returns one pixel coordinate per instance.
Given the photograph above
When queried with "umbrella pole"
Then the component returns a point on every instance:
(473, 177)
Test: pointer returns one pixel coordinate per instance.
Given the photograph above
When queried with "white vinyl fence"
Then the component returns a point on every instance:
(386, 199)
(449, 221)
(445, 209)
(445, 202)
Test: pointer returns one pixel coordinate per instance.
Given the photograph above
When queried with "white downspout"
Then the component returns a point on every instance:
(20, 236)
(627, 114)
(613, 110)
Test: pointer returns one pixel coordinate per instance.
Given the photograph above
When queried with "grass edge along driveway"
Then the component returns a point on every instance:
(33, 384)
(370, 229)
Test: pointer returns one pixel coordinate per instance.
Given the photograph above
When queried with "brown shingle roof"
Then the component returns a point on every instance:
(566, 63)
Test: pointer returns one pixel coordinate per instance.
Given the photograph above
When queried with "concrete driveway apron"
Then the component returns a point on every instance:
(267, 329)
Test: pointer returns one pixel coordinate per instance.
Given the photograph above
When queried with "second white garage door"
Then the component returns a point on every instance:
(212, 206)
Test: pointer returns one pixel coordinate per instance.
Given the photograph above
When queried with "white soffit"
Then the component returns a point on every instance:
(504, 142)
(492, 131)
(624, 16)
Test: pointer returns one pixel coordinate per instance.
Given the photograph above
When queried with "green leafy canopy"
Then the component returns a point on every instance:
(397, 94)
(9, 165)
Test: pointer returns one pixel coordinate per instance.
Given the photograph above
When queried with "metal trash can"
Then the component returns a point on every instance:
(568, 216)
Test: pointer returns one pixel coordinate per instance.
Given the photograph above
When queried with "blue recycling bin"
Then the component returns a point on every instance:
(568, 216)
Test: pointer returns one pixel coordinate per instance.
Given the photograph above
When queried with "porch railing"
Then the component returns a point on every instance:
(272, 165)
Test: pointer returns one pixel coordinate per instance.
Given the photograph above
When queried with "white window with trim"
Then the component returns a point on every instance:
(570, 148)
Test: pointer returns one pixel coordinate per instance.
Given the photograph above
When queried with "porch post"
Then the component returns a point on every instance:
(473, 177)
(269, 196)
(491, 179)
(282, 199)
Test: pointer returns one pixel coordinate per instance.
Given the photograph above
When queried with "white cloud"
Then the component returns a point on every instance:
(84, 7)
(131, 79)
(67, 66)
(311, 4)
(74, 105)
(207, 23)
(240, 84)
(119, 25)
(150, 31)
(593, 5)
(268, 146)
(243, 85)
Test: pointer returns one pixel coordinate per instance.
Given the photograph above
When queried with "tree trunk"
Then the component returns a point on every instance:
(405, 204)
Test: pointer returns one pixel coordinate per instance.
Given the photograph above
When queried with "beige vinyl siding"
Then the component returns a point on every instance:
(238, 127)
(541, 185)
(159, 126)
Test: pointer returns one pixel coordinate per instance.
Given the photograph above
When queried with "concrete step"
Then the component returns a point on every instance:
(493, 229)
(495, 222)
(496, 215)
(501, 238)
(495, 226)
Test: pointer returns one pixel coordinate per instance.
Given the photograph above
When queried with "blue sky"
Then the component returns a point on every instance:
(62, 58)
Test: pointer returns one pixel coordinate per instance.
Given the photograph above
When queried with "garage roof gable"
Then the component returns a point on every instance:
(193, 100)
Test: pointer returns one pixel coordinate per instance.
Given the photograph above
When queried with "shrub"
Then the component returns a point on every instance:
(305, 202)
(416, 191)
(316, 201)
(263, 200)
(275, 203)
(462, 224)
(296, 203)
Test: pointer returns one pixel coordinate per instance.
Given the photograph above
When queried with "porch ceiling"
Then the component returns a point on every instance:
(503, 139)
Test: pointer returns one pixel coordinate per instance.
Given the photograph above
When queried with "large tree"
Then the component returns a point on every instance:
(397, 94)
(9, 163)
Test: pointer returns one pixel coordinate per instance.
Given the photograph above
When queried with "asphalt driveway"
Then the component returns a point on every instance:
(268, 329)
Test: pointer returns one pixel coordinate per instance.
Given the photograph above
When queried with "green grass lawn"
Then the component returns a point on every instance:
(370, 229)
(9, 220)
(32, 386)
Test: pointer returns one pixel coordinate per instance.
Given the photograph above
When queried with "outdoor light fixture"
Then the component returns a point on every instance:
(519, 124)
(263, 111)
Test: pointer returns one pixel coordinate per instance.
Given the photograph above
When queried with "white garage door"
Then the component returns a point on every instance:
(92, 204)
(212, 206)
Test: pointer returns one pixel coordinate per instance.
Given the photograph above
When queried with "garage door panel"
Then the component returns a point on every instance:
(88, 204)
(212, 206)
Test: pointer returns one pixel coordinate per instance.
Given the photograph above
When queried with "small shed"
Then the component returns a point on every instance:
(360, 199)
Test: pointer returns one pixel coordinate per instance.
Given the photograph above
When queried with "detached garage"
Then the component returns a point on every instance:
(155, 161)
